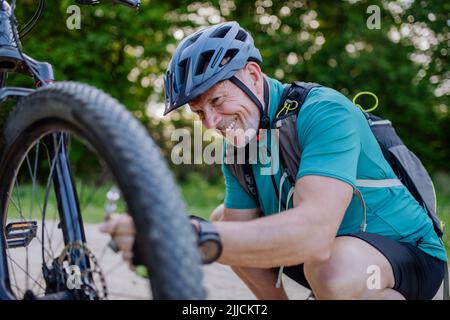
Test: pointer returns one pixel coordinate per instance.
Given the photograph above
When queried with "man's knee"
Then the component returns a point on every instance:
(339, 277)
(328, 281)
(217, 213)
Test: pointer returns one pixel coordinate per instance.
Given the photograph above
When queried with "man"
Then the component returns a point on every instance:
(217, 72)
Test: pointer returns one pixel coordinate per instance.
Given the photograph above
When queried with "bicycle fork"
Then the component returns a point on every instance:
(68, 206)
(71, 222)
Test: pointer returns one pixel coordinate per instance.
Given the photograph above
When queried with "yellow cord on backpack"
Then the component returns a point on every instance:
(366, 93)
(288, 106)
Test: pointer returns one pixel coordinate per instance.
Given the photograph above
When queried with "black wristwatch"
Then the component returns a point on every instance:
(208, 240)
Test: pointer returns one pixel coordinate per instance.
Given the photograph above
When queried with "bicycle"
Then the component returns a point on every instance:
(48, 126)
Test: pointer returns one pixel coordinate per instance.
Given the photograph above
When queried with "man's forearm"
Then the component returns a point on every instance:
(284, 239)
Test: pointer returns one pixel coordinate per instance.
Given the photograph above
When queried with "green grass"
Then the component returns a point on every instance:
(92, 201)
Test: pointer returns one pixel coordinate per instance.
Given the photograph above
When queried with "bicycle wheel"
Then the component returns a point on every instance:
(65, 116)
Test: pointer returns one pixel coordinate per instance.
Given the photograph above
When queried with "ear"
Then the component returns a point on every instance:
(255, 76)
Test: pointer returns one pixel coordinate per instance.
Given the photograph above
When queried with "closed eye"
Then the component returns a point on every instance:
(216, 100)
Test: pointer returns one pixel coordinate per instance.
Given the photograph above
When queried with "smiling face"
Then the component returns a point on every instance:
(227, 109)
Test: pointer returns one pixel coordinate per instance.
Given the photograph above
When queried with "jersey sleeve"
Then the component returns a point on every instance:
(328, 135)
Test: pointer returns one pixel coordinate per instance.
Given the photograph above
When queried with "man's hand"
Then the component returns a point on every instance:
(121, 229)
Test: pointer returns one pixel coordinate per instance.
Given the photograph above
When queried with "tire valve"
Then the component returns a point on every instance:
(112, 196)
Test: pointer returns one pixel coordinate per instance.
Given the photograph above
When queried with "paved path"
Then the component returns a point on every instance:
(220, 281)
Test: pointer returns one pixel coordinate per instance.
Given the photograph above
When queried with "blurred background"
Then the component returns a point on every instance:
(125, 53)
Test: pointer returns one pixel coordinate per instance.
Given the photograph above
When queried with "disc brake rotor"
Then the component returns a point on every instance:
(82, 271)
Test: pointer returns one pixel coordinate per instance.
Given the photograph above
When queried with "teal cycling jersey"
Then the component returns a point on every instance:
(336, 142)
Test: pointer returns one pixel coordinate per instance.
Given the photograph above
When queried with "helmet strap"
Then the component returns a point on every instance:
(264, 121)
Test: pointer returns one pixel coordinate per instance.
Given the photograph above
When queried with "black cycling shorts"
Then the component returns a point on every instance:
(418, 275)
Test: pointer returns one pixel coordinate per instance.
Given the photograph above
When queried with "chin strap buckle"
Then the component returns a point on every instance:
(265, 122)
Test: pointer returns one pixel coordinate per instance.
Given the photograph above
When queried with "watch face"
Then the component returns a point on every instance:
(210, 251)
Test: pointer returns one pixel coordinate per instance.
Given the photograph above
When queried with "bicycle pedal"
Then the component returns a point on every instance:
(20, 234)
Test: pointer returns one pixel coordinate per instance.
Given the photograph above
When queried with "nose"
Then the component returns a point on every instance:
(211, 119)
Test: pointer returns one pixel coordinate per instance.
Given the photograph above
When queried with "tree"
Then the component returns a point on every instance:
(404, 62)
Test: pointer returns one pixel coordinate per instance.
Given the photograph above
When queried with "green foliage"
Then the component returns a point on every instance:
(442, 185)
(201, 196)
(126, 53)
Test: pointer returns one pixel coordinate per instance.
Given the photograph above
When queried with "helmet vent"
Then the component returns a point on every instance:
(194, 38)
(203, 62)
(182, 69)
(241, 36)
(228, 56)
(169, 84)
(220, 33)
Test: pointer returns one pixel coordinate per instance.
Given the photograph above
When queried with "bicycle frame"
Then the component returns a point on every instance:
(12, 60)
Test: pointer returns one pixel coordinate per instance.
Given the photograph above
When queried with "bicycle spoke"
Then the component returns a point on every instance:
(18, 198)
(18, 289)
(18, 207)
(55, 223)
(14, 273)
(11, 200)
(26, 271)
(33, 189)
(18, 265)
(49, 253)
(47, 190)
(33, 174)
(60, 244)
(40, 277)
(23, 219)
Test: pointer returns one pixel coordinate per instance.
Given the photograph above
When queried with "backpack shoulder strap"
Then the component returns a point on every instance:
(286, 123)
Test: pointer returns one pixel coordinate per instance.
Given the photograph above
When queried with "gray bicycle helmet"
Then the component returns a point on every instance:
(205, 58)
